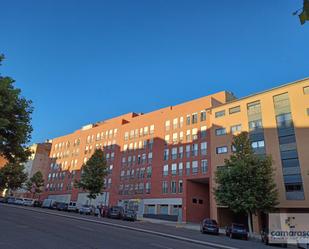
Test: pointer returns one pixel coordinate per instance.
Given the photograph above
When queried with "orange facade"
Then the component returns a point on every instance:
(162, 163)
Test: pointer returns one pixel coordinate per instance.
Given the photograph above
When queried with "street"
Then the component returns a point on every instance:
(31, 228)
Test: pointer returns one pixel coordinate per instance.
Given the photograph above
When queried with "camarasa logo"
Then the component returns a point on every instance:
(289, 228)
(290, 222)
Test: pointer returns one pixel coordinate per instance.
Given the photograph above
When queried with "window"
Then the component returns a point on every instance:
(188, 136)
(220, 132)
(180, 122)
(164, 187)
(174, 169)
(180, 186)
(203, 116)
(149, 172)
(173, 187)
(292, 162)
(194, 149)
(148, 187)
(204, 166)
(221, 150)
(220, 114)
(152, 129)
(234, 109)
(284, 120)
(181, 136)
(255, 125)
(204, 148)
(175, 123)
(295, 187)
(188, 149)
(174, 153)
(306, 90)
(194, 200)
(167, 139)
(165, 170)
(254, 107)
(258, 144)
(307, 111)
(194, 134)
(175, 137)
(203, 132)
(188, 168)
(180, 152)
(166, 154)
(194, 118)
(236, 128)
(180, 169)
(167, 125)
(188, 120)
(194, 167)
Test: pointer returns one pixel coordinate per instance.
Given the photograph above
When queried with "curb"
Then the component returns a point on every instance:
(185, 239)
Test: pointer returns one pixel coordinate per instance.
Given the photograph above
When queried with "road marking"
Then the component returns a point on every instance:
(176, 237)
(160, 246)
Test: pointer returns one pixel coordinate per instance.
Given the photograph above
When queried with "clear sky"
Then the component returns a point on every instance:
(86, 61)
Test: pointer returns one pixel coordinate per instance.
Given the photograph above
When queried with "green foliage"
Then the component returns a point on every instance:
(93, 174)
(35, 183)
(12, 176)
(245, 184)
(15, 118)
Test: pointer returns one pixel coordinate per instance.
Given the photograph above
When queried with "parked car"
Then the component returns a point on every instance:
(265, 238)
(209, 226)
(115, 212)
(37, 203)
(2, 199)
(11, 200)
(236, 231)
(19, 201)
(62, 206)
(72, 207)
(129, 214)
(49, 203)
(28, 202)
(303, 245)
(86, 209)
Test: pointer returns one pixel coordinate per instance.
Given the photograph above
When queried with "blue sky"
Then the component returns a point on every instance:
(85, 61)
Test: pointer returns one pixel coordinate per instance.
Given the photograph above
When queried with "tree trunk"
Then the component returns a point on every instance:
(250, 224)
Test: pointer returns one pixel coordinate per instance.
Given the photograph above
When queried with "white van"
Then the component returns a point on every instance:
(72, 207)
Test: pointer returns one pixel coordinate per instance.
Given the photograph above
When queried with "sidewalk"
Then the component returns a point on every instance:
(191, 226)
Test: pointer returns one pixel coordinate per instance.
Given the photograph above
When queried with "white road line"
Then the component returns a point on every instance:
(177, 237)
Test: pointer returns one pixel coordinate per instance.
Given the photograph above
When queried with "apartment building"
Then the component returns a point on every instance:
(163, 163)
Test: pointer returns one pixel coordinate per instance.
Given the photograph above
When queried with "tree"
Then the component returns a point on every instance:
(15, 118)
(12, 176)
(245, 183)
(93, 174)
(304, 15)
(35, 183)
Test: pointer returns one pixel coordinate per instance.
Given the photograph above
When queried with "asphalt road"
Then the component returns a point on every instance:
(23, 229)
(36, 228)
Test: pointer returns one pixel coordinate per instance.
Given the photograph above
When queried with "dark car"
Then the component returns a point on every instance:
(129, 215)
(209, 226)
(265, 238)
(62, 206)
(37, 203)
(236, 231)
(115, 212)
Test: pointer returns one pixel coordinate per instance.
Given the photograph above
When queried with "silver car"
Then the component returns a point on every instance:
(86, 209)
